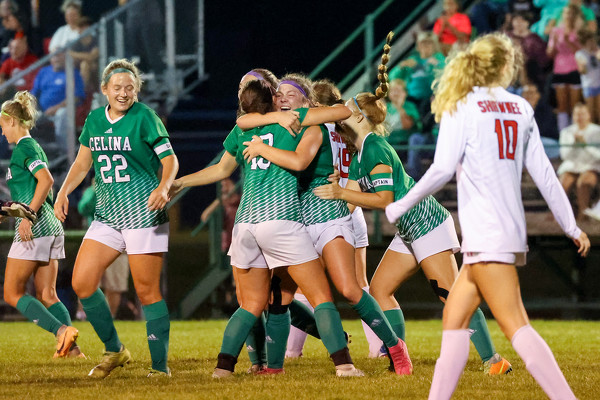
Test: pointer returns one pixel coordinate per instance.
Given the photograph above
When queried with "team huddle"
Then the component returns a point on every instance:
(310, 162)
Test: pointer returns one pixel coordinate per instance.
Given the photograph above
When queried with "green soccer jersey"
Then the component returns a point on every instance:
(269, 192)
(422, 218)
(314, 209)
(26, 160)
(126, 155)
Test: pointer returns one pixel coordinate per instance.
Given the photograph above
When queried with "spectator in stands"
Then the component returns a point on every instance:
(588, 63)
(588, 18)
(581, 157)
(20, 59)
(16, 20)
(488, 15)
(535, 60)
(50, 88)
(562, 46)
(230, 200)
(545, 119)
(549, 8)
(420, 69)
(146, 40)
(452, 26)
(70, 31)
(85, 54)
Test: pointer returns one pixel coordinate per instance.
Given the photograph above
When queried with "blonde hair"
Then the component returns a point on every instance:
(23, 108)
(371, 105)
(483, 63)
(125, 65)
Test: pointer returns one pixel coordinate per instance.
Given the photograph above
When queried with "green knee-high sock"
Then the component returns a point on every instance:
(278, 331)
(255, 342)
(371, 313)
(97, 312)
(157, 329)
(303, 318)
(395, 316)
(61, 313)
(236, 331)
(481, 336)
(330, 328)
(35, 311)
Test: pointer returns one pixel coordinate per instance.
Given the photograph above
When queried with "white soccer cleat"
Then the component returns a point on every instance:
(347, 370)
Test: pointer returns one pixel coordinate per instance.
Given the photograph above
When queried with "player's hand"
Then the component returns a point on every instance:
(253, 148)
(158, 198)
(290, 120)
(176, 187)
(61, 207)
(583, 244)
(329, 192)
(25, 230)
(335, 176)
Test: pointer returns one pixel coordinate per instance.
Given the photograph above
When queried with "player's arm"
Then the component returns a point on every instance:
(76, 175)
(297, 160)
(322, 115)
(383, 195)
(214, 173)
(42, 188)
(160, 196)
(286, 119)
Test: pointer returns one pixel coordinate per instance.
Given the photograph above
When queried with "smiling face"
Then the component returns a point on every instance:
(289, 98)
(121, 92)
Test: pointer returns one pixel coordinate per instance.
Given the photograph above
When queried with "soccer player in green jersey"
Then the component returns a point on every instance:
(328, 222)
(126, 143)
(426, 235)
(269, 234)
(36, 248)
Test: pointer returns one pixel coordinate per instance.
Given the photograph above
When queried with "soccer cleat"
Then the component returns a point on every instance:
(400, 358)
(270, 371)
(110, 361)
(220, 373)
(347, 370)
(154, 373)
(254, 368)
(18, 210)
(66, 336)
(497, 365)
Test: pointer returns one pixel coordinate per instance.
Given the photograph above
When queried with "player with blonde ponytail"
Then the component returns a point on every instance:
(426, 236)
(486, 136)
(37, 247)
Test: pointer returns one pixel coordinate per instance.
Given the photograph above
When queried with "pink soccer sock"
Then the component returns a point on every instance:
(540, 363)
(297, 337)
(449, 367)
(374, 342)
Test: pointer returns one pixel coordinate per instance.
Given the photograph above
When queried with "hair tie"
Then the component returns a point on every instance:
(294, 84)
(116, 71)
(360, 109)
(254, 74)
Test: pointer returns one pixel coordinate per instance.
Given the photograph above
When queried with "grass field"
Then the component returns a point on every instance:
(28, 371)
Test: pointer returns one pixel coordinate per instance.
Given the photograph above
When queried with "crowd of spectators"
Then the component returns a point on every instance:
(560, 79)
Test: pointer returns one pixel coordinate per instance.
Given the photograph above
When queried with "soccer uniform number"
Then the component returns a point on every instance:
(120, 164)
(507, 132)
(259, 162)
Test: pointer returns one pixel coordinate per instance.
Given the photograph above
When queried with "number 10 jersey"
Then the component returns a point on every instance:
(126, 156)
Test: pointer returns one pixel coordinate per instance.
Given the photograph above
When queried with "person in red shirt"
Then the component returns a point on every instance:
(20, 58)
(452, 26)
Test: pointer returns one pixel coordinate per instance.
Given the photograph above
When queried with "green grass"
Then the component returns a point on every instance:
(27, 369)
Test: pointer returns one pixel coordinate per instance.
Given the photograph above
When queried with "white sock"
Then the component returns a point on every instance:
(540, 363)
(563, 120)
(374, 342)
(297, 337)
(449, 367)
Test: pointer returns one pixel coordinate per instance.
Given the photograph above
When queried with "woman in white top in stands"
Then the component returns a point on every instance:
(486, 136)
(70, 31)
(580, 153)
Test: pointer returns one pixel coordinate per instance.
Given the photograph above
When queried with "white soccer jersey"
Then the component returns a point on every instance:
(487, 141)
(341, 156)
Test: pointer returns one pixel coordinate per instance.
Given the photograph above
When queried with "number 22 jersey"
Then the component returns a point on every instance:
(126, 155)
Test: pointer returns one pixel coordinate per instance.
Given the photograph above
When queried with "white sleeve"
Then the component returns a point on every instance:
(449, 150)
(593, 142)
(540, 169)
(566, 140)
